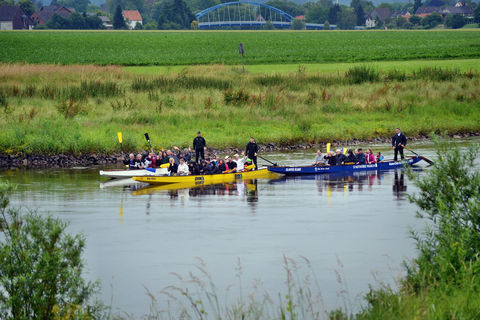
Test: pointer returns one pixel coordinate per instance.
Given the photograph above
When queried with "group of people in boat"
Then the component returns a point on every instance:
(180, 162)
(357, 156)
(338, 158)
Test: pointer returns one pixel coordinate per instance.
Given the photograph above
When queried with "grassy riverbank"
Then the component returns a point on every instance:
(220, 47)
(52, 109)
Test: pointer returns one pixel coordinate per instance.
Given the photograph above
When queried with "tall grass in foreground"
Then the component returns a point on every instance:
(197, 297)
(442, 282)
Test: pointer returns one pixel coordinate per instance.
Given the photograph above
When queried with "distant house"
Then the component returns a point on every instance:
(14, 18)
(300, 18)
(375, 15)
(466, 11)
(401, 13)
(132, 17)
(45, 13)
(426, 11)
(106, 22)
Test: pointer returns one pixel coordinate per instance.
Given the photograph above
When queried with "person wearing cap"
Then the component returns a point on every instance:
(360, 158)
(251, 151)
(240, 161)
(340, 158)
(399, 141)
(199, 145)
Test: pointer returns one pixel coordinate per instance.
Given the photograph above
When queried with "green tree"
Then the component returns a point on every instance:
(317, 14)
(476, 15)
(400, 22)
(431, 21)
(297, 24)
(78, 5)
(27, 6)
(347, 19)
(334, 14)
(118, 19)
(416, 5)
(77, 21)
(58, 22)
(41, 267)
(7, 2)
(175, 14)
(415, 20)
(448, 196)
(455, 21)
(359, 12)
(289, 7)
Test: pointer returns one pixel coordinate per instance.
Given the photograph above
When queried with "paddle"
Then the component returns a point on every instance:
(328, 147)
(422, 157)
(120, 139)
(148, 139)
(274, 164)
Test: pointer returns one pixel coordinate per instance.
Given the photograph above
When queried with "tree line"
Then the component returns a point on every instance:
(179, 14)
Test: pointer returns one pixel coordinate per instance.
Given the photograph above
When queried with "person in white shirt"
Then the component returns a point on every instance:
(240, 162)
(183, 168)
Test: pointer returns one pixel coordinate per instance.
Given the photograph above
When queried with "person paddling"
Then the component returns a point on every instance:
(251, 151)
(399, 140)
(199, 145)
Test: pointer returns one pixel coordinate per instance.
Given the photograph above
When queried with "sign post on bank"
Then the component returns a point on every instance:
(241, 50)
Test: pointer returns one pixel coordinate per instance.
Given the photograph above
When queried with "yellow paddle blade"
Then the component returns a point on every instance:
(328, 147)
(250, 167)
(119, 134)
(345, 150)
(165, 165)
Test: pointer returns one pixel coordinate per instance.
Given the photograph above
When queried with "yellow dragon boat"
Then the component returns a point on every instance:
(195, 180)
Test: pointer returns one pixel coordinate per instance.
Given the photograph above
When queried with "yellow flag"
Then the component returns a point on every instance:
(119, 134)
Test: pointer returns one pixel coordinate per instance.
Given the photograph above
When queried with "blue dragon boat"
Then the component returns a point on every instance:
(384, 165)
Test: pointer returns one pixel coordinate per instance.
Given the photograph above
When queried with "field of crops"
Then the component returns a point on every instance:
(190, 48)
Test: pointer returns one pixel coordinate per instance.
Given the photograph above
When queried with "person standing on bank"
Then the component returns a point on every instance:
(398, 142)
(251, 151)
(199, 145)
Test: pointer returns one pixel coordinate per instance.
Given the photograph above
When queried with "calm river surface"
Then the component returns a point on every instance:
(136, 240)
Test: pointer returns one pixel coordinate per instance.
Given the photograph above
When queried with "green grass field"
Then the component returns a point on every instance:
(220, 47)
(51, 109)
(405, 66)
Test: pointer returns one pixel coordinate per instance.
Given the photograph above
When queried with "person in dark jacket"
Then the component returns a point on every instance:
(251, 151)
(331, 159)
(399, 140)
(221, 167)
(350, 157)
(173, 167)
(360, 158)
(199, 145)
(340, 158)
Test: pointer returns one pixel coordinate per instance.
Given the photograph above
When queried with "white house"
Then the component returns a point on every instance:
(132, 17)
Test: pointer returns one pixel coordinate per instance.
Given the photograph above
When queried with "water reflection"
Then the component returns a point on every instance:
(399, 187)
(245, 190)
(352, 182)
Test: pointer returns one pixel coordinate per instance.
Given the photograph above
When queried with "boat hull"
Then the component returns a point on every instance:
(388, 165)
(116, 174)
(208, 178)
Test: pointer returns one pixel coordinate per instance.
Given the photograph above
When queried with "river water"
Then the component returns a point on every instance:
(355, 227)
